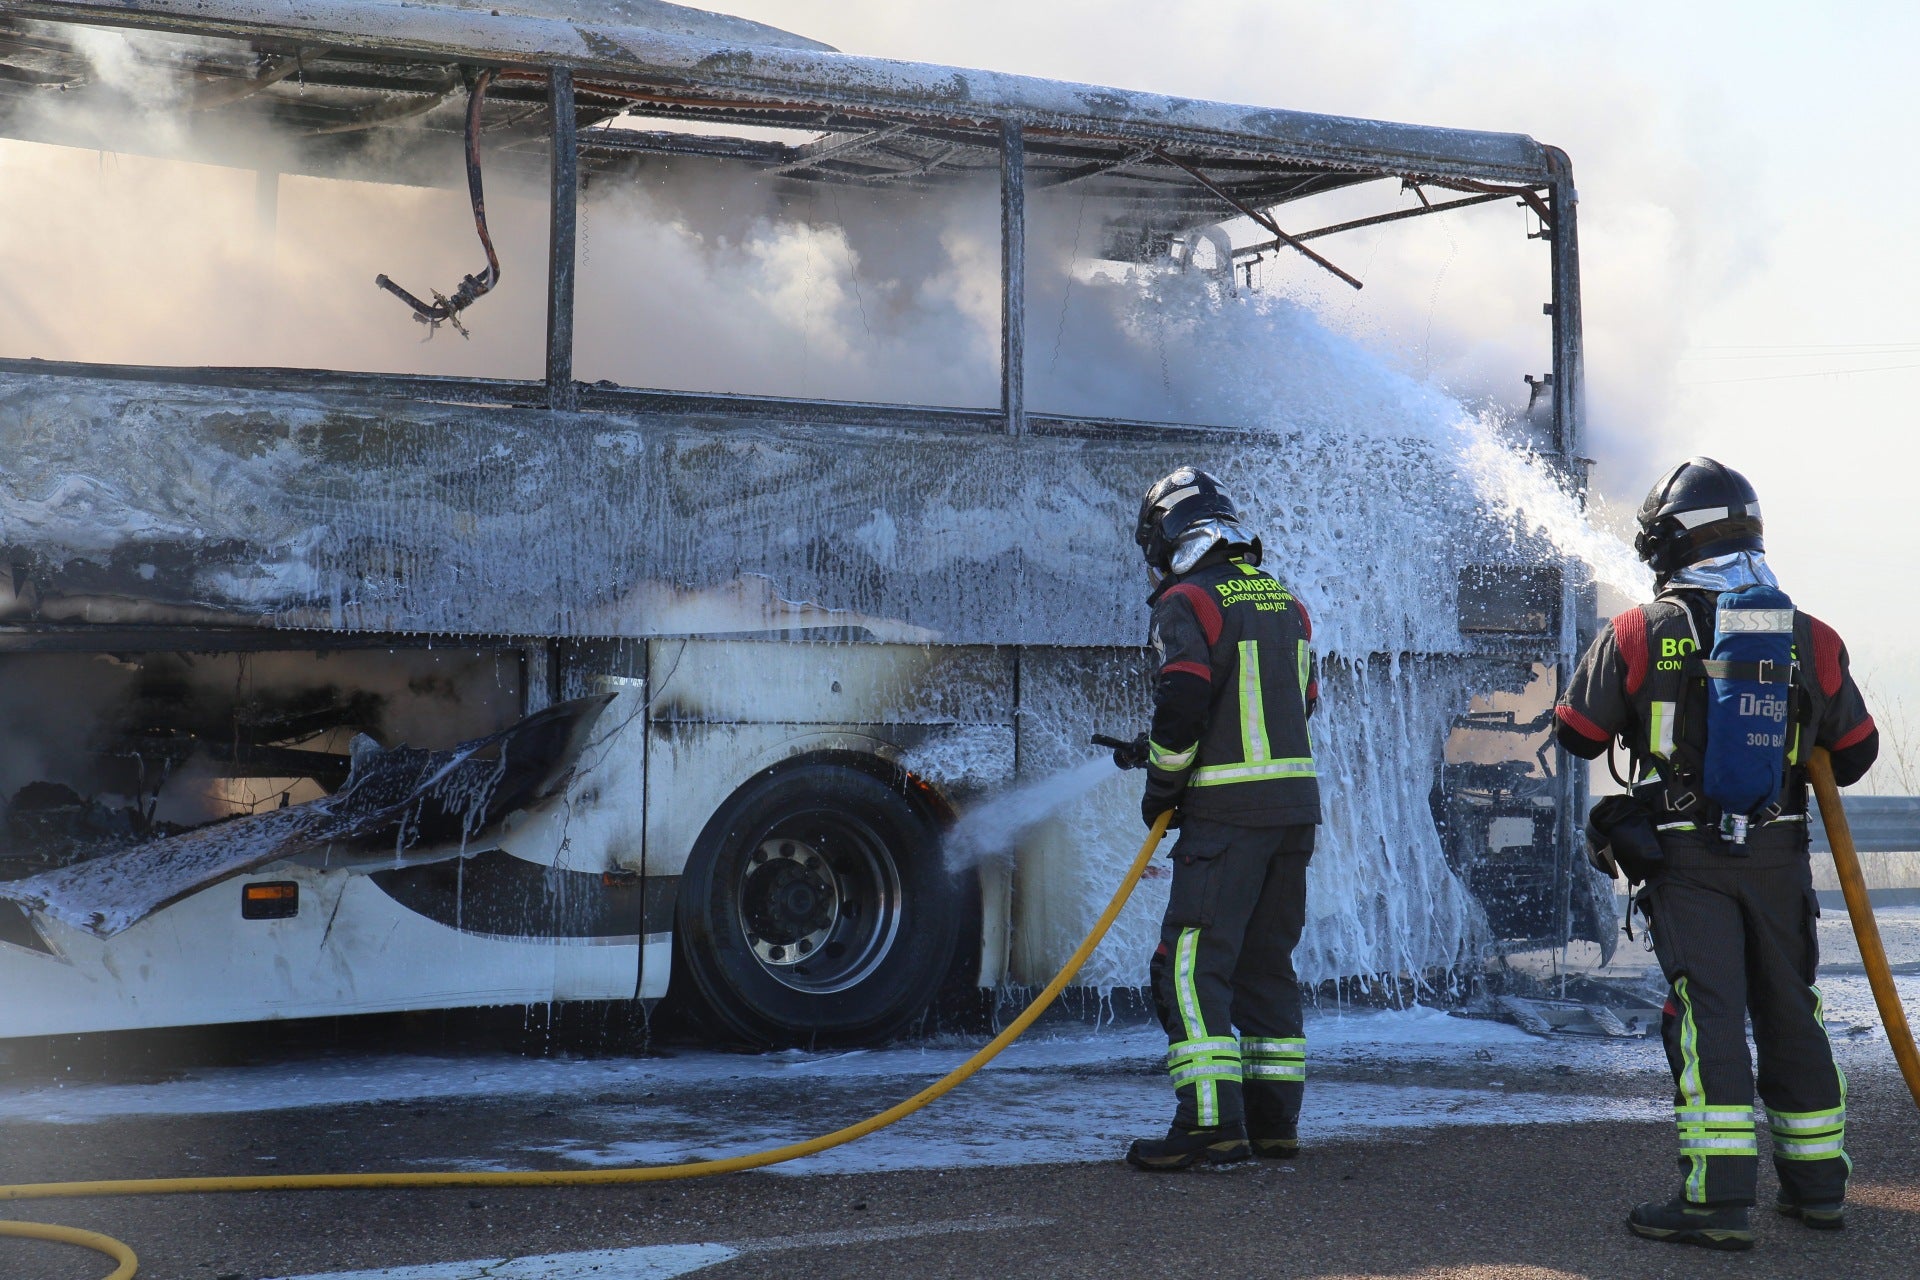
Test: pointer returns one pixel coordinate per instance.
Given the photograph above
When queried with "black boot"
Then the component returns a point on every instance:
(1276, 1141)
(1184, 1148)
(1680, 1221)
(1821, 1217)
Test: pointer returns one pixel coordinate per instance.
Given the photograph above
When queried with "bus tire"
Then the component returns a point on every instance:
(816, 910)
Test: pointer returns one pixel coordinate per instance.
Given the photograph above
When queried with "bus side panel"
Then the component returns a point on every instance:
(352, 948)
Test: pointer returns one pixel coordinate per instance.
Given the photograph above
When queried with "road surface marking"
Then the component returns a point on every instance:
(661, 1261)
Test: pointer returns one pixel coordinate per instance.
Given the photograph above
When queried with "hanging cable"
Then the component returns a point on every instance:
(444, 309)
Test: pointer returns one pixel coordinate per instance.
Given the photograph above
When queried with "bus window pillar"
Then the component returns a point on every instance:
(563, 223)
(1013, 276)
(1578, 599)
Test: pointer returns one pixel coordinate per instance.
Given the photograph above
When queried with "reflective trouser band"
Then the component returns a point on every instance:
(1206, 1092)
(1172, 761)
(1284, 1071)
(1702, 1148)
(1208, 1070)
(1214, 775)
(1274, 1046)
(1253, 705)
(1714, 1116)
(1186, 1050)
(1807, 1121)
(1718, 1142)
(1275, 1058)
(1715, 1131)
(1808, 1135)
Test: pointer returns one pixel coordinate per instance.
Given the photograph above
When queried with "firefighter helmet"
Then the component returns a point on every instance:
(1699, 509)
(1176, 505)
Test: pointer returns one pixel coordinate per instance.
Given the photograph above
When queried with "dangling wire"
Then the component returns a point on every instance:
(444, 309)
(1060, 332)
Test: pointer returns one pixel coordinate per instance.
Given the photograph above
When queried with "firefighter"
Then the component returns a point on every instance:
(1729, 895)
(1229, 752)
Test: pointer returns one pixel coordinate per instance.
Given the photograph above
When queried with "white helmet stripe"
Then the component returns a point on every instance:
(1707, 515)
(1175, 498)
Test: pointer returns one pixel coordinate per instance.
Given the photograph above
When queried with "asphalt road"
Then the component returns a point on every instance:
(1507, 1202)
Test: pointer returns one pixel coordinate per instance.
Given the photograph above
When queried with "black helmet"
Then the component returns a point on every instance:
(1174, 505)
(1697, 510)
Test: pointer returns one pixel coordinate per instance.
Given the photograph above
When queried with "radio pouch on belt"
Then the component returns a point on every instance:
(1749, 676)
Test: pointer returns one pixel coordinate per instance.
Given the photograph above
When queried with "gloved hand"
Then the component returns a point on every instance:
(1601, 856)
(1126, 755)
(1621, 836)
(1152, 806)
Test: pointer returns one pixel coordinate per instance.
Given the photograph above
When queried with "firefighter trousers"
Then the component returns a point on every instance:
(1225, 966)
(1736, 938)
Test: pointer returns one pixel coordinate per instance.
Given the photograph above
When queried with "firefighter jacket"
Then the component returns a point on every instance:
(1637, 682)
(1235, 687)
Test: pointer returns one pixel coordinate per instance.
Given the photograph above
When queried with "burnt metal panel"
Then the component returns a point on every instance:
(1510, 599)
(384, 514)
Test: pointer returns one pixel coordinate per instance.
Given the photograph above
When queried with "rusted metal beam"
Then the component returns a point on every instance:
(108, 637)
(808, 156)
(1376, 220)
(1013, 277)
(1063, 177)
(1291, 242)
(427, 388)
(664, 143)
(924, 167)
(563, 221)
(1527, 194)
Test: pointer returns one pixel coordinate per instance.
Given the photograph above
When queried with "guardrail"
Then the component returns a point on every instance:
(1880, 824)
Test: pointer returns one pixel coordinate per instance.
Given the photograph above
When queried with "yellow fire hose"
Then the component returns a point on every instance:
(1872, 954)
(571, 1177)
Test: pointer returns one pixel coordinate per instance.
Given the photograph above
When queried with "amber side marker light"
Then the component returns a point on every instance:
(270, 900)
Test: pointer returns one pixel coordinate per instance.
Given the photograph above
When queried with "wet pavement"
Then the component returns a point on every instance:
(1437, 1147)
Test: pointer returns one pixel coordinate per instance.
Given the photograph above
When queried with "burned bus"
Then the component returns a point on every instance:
(508, 502)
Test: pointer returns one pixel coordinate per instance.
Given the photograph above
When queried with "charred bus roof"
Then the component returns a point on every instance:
(654, 79)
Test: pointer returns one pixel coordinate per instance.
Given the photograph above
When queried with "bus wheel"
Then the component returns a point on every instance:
(816, 910)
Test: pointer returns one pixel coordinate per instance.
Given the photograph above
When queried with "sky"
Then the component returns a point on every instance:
(1745, 196)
